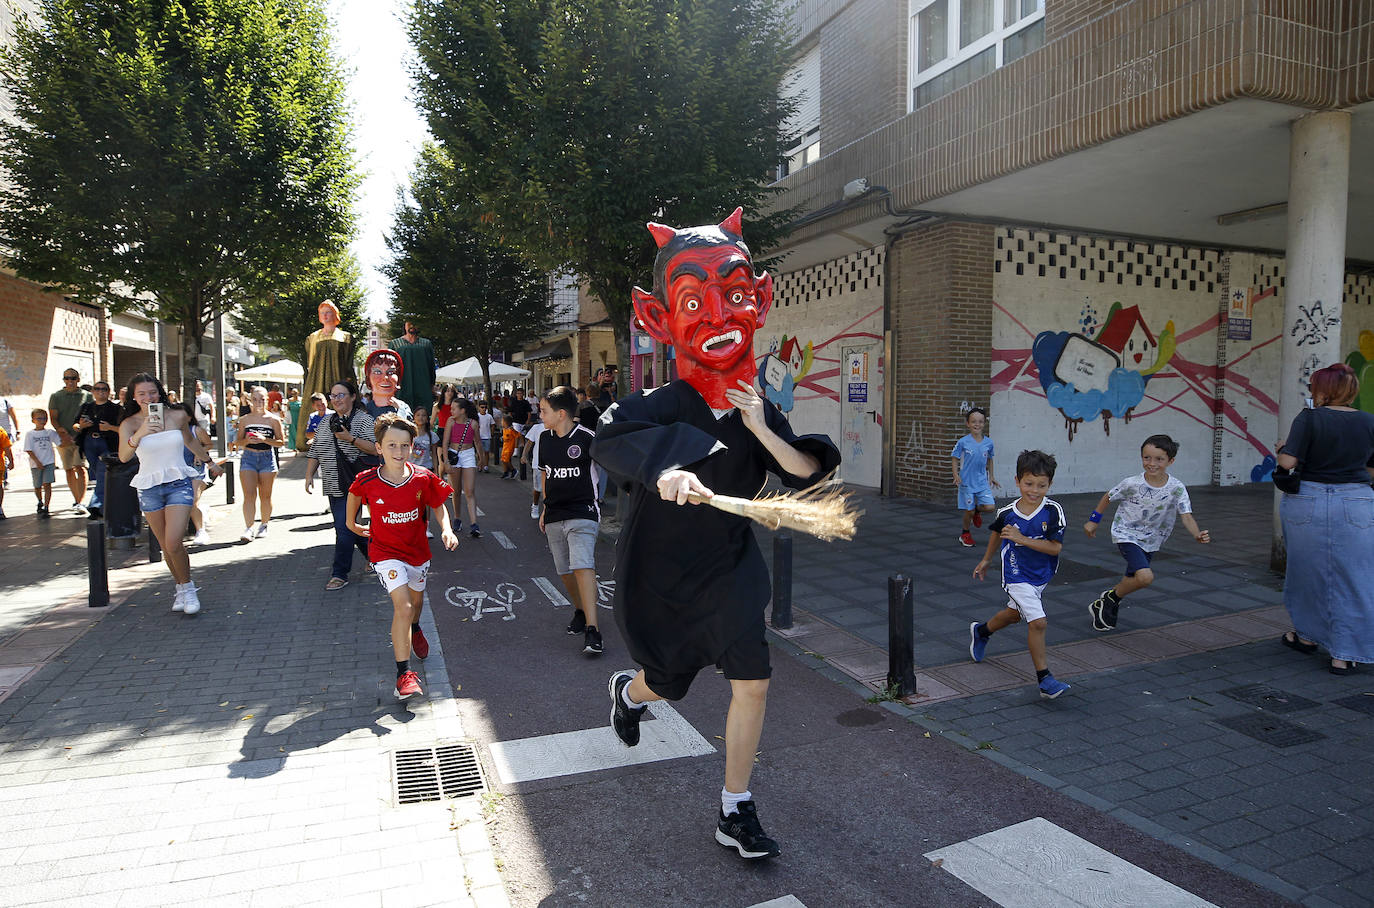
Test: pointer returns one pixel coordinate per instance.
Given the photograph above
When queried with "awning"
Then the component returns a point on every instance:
(555, 350)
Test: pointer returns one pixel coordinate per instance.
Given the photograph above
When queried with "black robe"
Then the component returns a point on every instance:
(690, 579)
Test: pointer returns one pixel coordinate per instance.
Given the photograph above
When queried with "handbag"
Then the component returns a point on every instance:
(349, 470)
(1288, 481)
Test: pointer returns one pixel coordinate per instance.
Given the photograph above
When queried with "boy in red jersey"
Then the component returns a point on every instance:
(396, 494)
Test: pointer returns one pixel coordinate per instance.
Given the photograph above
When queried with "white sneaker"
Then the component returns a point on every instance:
(249, 533)
(262, 530)
(190, 603)
(179, 601)
(534, 512)
(201, 538)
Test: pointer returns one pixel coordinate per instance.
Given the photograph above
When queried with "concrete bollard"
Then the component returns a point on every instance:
(901, 636)
(97, 568)
(782, 581)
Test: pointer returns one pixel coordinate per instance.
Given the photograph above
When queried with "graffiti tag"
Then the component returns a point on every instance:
(1313, 325)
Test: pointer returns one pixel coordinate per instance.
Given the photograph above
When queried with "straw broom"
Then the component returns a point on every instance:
(822, 511)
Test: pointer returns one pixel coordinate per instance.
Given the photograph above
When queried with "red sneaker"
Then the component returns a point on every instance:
(408, 685)
(419, 646)
(977, 518)
(966, 538)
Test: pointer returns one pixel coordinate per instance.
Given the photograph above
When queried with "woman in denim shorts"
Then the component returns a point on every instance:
(163, 481)
(260, 432)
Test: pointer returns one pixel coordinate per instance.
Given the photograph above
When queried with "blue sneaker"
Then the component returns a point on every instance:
(1052, 687)
(977, 645)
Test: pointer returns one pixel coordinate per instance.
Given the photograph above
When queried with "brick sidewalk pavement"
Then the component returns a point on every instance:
(1190, 722)
(240, 757)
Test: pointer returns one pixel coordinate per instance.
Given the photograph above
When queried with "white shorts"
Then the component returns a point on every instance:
(395, 574)
(457, 460)
(537, 477)
(1024, 597)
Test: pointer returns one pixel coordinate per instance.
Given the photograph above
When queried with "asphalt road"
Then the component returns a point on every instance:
(854, 794)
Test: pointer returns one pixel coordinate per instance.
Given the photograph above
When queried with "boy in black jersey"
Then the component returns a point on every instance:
(570, 517)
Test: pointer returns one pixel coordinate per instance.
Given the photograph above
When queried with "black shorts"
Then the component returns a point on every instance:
(745, 660)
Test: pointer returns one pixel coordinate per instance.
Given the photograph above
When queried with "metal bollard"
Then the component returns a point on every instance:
(901, 633)
(154, 548)
(782, 581)
(97, 569)
(228, 478)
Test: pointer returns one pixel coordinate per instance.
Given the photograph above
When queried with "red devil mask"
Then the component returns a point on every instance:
(707, 302)
(382, 371)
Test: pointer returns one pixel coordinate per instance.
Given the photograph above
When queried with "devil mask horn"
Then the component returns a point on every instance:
(662, 233)
(734, 224)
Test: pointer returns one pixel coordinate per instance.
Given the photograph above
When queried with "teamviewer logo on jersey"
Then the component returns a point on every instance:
(574, 451)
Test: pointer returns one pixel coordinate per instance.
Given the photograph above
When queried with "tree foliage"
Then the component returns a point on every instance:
(177, 155)
(470, 296)
(286, 317)
(573, 122)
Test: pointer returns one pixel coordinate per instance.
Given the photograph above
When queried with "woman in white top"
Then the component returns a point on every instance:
(158, 434)
(261, 431)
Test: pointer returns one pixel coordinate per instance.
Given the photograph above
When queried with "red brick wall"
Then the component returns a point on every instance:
(32, 322)
(941, 297)
(863, 71)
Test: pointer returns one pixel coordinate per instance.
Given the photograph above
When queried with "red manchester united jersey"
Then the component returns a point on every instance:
(397, 512)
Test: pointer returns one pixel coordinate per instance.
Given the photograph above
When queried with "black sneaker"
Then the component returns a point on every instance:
(578, 624)
(742, 832)
(93, 514)
(475, 533)
(591, 642)
(624, 719)
(1104, 610)
(43, 511)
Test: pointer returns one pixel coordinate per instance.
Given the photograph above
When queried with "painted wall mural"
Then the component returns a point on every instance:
(1104, 374)
(1361, 359)
(783, 368)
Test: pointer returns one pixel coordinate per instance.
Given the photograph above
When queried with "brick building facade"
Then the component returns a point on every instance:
(1082, 211)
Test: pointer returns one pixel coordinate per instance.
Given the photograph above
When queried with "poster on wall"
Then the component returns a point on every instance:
(1241, 314)
(857, 378)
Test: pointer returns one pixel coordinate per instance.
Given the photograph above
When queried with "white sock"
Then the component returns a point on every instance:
(625, 696)
(729, 801)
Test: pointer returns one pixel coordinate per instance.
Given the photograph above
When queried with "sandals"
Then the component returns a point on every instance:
(1341, 669)
(1293, 641)
(336, 583)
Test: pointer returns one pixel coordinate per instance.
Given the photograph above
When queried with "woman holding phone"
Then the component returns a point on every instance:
(159, 434)
(260, 431)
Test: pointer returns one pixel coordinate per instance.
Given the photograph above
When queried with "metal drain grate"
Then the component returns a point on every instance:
(434, 773)
(1361, 703)
(1269, 698)
(1270, 730)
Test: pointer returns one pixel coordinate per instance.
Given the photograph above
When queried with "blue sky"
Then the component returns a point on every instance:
(388, 130)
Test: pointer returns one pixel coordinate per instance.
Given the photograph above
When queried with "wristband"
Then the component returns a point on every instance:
(1096, 517)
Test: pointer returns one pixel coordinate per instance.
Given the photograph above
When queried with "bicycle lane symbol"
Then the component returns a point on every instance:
(501, 601)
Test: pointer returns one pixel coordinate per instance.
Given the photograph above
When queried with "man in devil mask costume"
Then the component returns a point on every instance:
(692, 585)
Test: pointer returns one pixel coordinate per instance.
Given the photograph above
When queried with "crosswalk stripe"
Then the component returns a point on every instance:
(667, 737)
(503, 539)
(1036, 864)
(787, 901)
(548, 589)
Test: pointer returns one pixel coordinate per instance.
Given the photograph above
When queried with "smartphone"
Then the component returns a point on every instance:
(155, 415)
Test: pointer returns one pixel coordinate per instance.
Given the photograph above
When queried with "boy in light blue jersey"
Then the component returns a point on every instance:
(972, 465)
(1030, 534)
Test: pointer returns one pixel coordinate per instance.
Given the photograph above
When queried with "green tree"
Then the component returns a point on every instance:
(472, 297)
(178, 156)
(573, 122)
(285, 318)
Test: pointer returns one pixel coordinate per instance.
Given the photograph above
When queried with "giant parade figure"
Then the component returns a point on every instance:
(692, 584)
(328, 359)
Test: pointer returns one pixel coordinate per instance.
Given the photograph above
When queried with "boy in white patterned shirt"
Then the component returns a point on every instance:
(1144, 519)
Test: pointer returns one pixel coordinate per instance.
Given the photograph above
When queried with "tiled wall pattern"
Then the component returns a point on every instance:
(855, 272)
(1106, 261)
(1359, 289)
(1110, 68)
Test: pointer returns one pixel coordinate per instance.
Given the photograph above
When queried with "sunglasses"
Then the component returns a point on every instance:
(71, 378)
(338, 396)
(100, 388)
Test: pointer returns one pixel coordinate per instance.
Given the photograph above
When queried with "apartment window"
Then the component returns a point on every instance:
(958, 41)
(803, 84)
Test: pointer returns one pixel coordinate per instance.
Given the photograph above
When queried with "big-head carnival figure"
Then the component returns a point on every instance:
(328, 359)
(693, 584)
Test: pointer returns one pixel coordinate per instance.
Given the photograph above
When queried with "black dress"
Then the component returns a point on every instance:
(690, 579)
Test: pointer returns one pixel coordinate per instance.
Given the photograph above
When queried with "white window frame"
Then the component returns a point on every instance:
(957, 54)
(807, 151)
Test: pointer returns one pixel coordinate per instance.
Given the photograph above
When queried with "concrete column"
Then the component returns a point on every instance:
(1318, 189)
